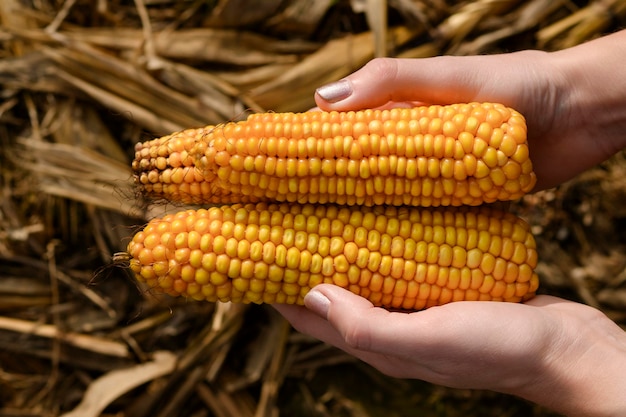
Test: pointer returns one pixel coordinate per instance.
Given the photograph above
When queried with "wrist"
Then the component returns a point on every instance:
(583, 372)
(594, 81)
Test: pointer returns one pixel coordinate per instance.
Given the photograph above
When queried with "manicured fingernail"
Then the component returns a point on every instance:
(317, 303)
(336, 91)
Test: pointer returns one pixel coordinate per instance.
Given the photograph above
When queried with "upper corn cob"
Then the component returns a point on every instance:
(461, 154)
(398, 257)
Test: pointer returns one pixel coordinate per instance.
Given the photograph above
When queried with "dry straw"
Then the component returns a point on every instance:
(83, 81)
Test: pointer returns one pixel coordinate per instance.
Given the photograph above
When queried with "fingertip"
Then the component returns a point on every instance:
(317, 302)
(326, 296)
(335, 91)
(371, 86)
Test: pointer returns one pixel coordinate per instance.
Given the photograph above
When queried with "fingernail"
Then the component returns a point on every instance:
(336, 91)
(317, 303)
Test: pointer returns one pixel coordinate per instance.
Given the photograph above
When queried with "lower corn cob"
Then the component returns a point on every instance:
(397, 257)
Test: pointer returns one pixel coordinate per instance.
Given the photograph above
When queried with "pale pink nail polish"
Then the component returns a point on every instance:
(334, 92)
(317, 303)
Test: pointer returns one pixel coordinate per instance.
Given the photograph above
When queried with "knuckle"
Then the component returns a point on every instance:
(357, 336)
(383, 69)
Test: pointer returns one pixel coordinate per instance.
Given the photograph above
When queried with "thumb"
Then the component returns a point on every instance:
(436, 80)
(361, 325)
(320, 299)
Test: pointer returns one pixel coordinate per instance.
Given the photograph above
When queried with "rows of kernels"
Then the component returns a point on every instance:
(463, 154)
(396, 257)
(375, 190)
(165, 168)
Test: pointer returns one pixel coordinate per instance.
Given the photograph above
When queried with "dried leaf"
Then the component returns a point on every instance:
(83, 175)
(293, 90)
(112, 385)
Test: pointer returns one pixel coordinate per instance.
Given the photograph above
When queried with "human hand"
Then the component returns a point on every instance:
(560, 354)
(563, 355)
(574, 100)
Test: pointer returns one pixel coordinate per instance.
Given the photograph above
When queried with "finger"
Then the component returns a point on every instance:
(311, 323)
(404, 345)
(431, 332)
(304, 320)
(441, 80)
(341, 318)
(547, 300)
(361, 326)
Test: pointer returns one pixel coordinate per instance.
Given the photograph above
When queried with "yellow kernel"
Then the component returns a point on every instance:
(269, 252)
(434, 273)
(388, 285)
(487, 263)
(471, 125)
(195, 258)
(350, 251)
(354, 274)
(508, 145)
(484, 131)
(261, 270)
(316, 263)
(474, 257)
(509, 292)
(373, 240)
(373, 261)
(231, 247)
(187, 273)
(433, 169)
(328, 268)
(323, 246)
(222, 263)
(341, 263)
(519, 253)
(280, 257)
(291, 276)
(385, 265)
(448, 278)
(521, 154)
(490, 157)
(481, 171)
(336, 246)
(446, 254)
(247, 269)
(362, 257)
(409, 270)
(256, 285)
(293, 258)
(397, 267)
(275, 273)
(432, 253)
(399, 289)
(470, 163)
(458, 295)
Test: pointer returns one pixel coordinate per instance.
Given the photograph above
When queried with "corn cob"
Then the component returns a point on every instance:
(397, 257)
(460, 154)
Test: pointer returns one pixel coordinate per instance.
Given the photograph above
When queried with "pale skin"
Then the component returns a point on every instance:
(560, 354)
